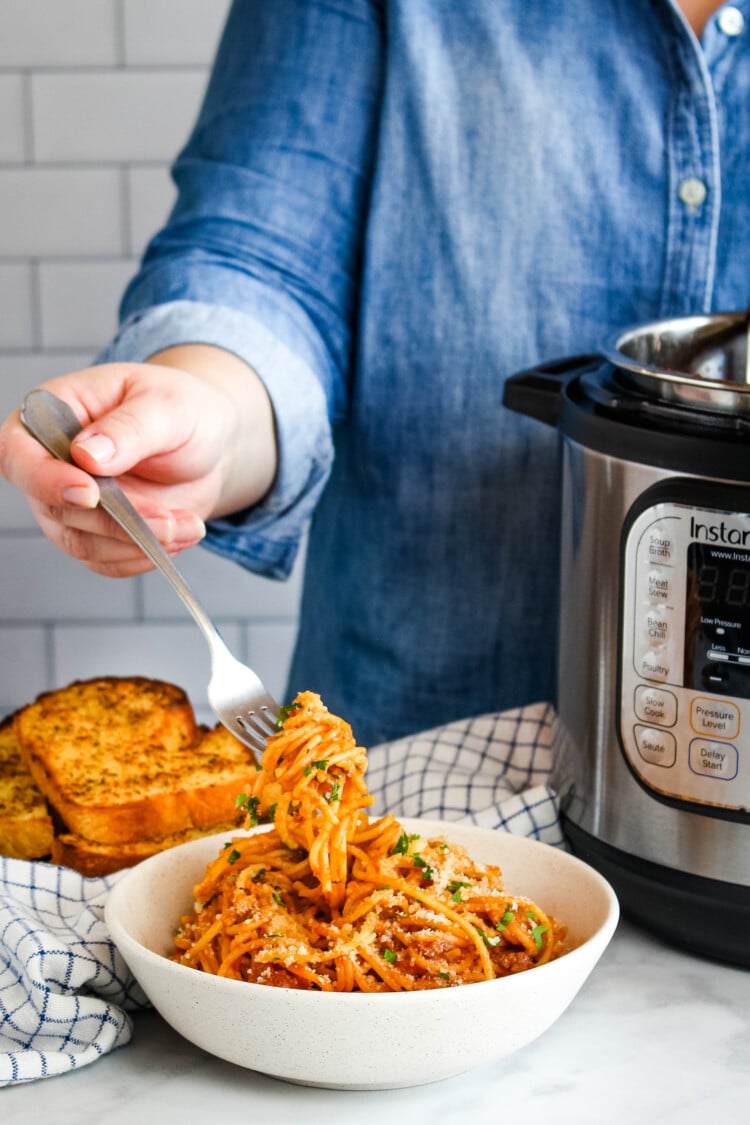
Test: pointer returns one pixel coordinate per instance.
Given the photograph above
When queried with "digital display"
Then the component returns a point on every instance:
(717, 619)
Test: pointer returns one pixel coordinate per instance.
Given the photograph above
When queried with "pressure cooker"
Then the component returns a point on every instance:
(652, 750)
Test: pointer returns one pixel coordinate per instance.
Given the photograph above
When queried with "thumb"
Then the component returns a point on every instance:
(136, 429)
(94, 451)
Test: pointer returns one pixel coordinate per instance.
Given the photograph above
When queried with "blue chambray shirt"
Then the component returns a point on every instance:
(386, 209)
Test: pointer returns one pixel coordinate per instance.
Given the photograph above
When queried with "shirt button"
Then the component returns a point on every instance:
(692, 192)
(731, 21)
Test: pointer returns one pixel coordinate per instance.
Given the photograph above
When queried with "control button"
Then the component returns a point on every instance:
(658, 747)
(714, 655)
(654, 664)
(656, 627)
(654, 705)
(659, 545)
(658, 585)
(714, 677)
(713, 759)
(731, 21)
(692, 192)
(715, 717)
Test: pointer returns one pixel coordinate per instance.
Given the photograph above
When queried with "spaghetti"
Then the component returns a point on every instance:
(328, 899)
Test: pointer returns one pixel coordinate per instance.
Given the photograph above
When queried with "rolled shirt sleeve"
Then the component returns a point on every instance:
(261, 254)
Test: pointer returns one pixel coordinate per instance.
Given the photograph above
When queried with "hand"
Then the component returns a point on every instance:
(189, 435)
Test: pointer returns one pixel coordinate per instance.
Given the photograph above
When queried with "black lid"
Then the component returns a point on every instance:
(602, 411)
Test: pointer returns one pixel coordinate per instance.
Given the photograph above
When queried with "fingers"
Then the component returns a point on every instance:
(129, 414)
(96, 540)
(169, 436)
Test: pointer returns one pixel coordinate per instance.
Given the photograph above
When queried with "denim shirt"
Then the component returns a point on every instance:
(386, 209)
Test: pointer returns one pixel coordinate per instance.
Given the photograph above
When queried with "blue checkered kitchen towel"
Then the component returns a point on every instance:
(65, 992)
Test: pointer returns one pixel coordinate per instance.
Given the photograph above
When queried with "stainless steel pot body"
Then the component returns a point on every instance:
(652, 754)
(600, 792)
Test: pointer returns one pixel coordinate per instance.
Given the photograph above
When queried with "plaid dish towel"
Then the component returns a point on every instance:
(492, 771)
(64, 988)
(65, 992)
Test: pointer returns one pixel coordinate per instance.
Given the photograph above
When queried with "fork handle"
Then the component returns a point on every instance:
(52, 422)
(114, 501)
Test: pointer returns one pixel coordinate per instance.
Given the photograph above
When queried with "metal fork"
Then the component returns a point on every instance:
(235, 692)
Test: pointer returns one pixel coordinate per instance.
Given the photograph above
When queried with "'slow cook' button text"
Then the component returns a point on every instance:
(655, 705)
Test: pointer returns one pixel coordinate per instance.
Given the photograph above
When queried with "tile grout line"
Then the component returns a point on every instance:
(50, 655)
(61, 70)
(35, 304)
(126, 213)
(119, 30)
(27, 110)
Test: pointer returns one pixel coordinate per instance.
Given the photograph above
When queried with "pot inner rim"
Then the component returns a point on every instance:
(703, 360)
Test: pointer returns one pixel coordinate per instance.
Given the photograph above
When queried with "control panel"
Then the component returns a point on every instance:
(685, 660)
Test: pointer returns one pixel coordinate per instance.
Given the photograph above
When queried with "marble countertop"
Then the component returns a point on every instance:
(656, 1035)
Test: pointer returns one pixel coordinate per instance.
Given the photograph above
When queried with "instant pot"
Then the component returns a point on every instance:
(652, 761)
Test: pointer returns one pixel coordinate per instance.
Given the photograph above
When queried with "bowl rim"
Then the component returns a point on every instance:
(125, 941)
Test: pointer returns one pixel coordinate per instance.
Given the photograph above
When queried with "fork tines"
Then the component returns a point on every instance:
(260, 724)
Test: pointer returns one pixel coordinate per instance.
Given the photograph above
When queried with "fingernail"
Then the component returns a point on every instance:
(99, 447)
(191, 529)
(163, 529)
(80, 496)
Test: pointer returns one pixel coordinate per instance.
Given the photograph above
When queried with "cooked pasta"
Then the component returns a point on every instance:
(328, 899)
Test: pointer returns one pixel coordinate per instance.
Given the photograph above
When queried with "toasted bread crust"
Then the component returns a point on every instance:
(92, 859)
(121, 759)
(26, 830)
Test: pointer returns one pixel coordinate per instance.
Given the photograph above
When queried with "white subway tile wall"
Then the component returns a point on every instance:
(96, 97)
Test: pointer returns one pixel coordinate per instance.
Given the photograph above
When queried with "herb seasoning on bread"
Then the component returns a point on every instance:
(127, 770)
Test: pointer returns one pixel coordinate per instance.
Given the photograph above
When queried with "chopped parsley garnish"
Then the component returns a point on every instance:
(277, 897)
(454, 889)
(427, 871)
(401, 847)
(445, 976)
(335, 793)
(285, 712)
(536, 933)
(389, 956)
(258, 875)
(250, 804)
(503, 923)
(272, 811)
(487, 939)
(233, 856)
(321, 765)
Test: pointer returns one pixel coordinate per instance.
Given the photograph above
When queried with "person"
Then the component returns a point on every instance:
(384, 210)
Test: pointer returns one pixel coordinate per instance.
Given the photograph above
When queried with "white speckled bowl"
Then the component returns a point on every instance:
(362, 1041)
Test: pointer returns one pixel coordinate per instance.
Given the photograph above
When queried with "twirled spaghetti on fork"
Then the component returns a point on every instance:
(328, 899)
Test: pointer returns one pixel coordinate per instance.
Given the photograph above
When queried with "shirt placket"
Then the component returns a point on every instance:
(694, 203)
(694, 185)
